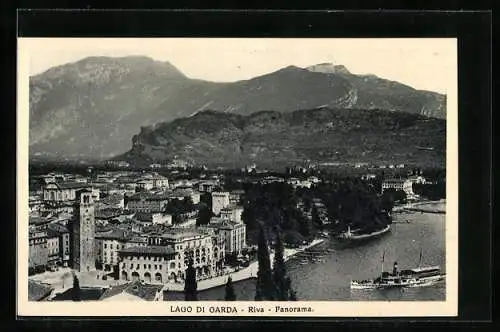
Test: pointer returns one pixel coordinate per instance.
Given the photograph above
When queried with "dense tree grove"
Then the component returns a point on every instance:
(348, 201)
(176, 207)
(434, 191)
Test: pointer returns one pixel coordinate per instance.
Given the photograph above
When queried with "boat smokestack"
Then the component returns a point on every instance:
(395, 269)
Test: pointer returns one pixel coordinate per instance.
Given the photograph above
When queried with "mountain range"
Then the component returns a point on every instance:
(92, 108)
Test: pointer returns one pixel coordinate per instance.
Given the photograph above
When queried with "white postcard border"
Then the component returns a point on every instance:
(449, 307)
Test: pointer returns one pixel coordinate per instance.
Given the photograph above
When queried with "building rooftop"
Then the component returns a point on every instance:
(137, 289)
(149, 250)
(69, 185)
(113, 234)
(223, 224)
(58, 228)
(86, 294)
(38, 291)
(181, 233)
(113, 199)
(108, 213)
(38, 220)
(147, 196)
(145, 216)
(138, 239)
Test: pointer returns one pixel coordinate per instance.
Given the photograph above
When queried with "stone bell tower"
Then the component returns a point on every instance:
(84, 233)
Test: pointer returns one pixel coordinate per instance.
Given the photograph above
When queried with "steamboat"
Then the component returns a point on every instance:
(417, 277)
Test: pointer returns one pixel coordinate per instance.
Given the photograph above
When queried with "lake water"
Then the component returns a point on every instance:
(329, 280)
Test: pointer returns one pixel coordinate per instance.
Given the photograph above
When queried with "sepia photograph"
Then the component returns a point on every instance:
(237, 176)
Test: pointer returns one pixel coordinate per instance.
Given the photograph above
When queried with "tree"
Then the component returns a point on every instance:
(279, 270)
(265, 289)
(190, 284)
(292, 295)
(316, 221)
(76, 291)
(204, 216)
(305, 228)
(187, 204)
(230, 295)
(292, 238)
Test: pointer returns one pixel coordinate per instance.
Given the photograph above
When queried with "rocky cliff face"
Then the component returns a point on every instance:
(91, 108)
(272, 138)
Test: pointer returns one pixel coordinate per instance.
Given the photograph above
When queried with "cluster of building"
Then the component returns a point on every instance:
(403, 184)
(117, 222)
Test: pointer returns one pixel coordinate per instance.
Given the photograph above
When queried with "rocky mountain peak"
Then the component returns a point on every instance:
(328, 68)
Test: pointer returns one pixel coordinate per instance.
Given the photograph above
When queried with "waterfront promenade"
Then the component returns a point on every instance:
(248, 272)
(62, 280)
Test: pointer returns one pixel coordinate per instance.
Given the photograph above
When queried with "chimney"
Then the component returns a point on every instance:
(395, 269)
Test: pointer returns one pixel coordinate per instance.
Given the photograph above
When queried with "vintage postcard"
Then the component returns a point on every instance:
(237, 177)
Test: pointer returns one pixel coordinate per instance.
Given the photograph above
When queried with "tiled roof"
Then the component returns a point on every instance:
(114, 290)
(144, 291)
(149, 250)
(144, 216)
(38, 220)
(138, 239)
(112, 199)
(179, 233)
(108, 213)
(71, 185)
(38, 291)
(146, 196)
(86, 294)
(56, 227)
(113, 234)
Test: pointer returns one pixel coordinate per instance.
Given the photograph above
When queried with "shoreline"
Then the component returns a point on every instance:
(423, 206)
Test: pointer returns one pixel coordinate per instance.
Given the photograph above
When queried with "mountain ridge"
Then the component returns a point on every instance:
(270, 137)
(92, 107)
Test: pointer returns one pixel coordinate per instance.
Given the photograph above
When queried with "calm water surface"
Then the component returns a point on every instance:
(329, 280)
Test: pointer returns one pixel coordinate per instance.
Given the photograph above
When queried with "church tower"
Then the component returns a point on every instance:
(84, 233)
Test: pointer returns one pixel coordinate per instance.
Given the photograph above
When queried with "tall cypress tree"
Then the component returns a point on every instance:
(230, 295)
(76, 291)
(279, 269)
(292, 295)
(265, 289)
(190, 284)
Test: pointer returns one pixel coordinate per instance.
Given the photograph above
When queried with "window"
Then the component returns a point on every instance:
(156, 267)
(105, 246)
(160, 267)
(111, 245)
(149, 266)
(144, 265)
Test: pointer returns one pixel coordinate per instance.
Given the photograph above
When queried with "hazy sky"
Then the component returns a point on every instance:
(428, 64)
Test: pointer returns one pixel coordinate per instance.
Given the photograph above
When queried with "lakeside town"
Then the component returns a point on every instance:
(117, 232)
